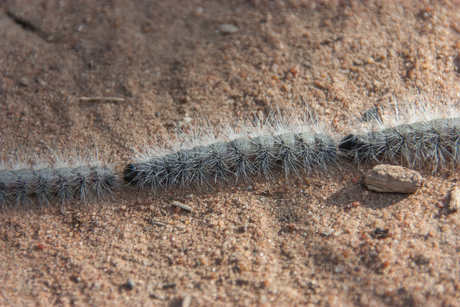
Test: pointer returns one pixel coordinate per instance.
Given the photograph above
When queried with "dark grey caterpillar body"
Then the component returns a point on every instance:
(42, 186)
(237, 159)
(435, 141)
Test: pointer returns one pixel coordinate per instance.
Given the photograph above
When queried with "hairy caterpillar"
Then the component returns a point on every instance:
(414, 133)
(40, 184)
(293, 146)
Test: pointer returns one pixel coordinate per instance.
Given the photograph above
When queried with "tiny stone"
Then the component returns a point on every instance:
(339, 269)
(130, 284)
(24, 81)
(187, 301)
(228, 29)
(327, 231)
(454, 204)
(391, 178)
(198, 12)
(439, 290)
(157, 295)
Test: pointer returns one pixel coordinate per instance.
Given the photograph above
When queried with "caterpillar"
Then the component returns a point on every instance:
(293, 146)
(413, 133)
(82, 179)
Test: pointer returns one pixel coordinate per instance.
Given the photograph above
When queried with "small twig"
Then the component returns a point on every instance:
(117, 99)
(182, 206)
(158, 221)
(169, 285)
(159, 224)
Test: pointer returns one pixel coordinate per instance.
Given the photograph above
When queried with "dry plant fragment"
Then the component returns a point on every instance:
(115, 99)
(391, 178)
(454, 204)
(182, 206)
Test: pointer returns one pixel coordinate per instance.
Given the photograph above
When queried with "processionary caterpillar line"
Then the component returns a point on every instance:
(414, 133)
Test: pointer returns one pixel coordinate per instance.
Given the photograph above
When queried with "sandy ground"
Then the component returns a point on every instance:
(298, 241)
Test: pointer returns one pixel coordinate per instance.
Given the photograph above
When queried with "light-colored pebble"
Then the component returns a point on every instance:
(187, 301)
(198, 11)
(130, 283)
(228, 28)
(24, 81)
(454, 204)
(327, 231)
(339, 269)
(391, 178)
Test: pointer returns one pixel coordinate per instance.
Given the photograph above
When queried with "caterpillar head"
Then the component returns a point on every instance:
(130, 174)
(350, 143)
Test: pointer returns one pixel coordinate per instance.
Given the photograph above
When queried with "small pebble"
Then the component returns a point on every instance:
(198, 11)
(187, 301)
(454, 204)
(339, 269)
(228, 29)
(158, 296)
(327, 231)
(24, 81)
(41, 246)
(130, 284)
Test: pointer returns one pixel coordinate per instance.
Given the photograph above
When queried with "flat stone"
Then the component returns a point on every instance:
(391, 178)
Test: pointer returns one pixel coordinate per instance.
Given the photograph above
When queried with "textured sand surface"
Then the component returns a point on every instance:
(321, 239)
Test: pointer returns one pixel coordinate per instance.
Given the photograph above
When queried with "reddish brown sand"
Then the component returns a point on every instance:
(290, 242)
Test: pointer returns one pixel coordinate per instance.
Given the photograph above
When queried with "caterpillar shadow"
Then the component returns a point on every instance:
(356, 194)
